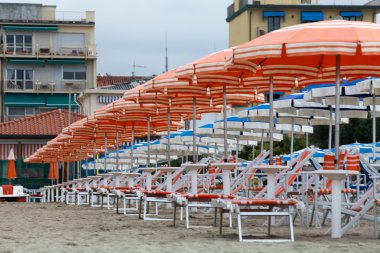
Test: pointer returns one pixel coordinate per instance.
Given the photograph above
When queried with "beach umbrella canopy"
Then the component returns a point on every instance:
(312, 53)
(209, 72)
(370, 88)
(11, 168)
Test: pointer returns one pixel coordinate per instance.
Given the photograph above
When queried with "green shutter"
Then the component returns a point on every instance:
(24, 100)
(26, 61)
(30, 28)
(60, 100)
(66, 62)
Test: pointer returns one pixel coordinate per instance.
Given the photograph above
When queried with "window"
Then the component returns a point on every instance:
(20, 79)
(19, 43)
(273, 23)
(74, 73)
(20, 112)
(351, 18)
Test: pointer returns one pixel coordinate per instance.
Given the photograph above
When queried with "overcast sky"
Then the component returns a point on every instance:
(134, 30)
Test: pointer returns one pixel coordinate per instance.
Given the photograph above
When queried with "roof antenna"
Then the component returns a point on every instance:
(166, 53)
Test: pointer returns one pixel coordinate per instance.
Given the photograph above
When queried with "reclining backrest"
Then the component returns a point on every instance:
(353, 162)
(328, 161)
(7, 189)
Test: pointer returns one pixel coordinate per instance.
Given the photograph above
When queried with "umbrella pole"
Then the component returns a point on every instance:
(194, 130)
(225, 122)
(148, 140)
(95, 170)
(307, 140)
(169, 159)
(330, 128)
(117, 149)
(237, 148)
(132, 144)
(271, 120)
(292, 138)
(262, 140)
(336, 196)
(68, 169)
(80, 163)
(86, 161)
(374, 125)
(337, 112)
(105, 152)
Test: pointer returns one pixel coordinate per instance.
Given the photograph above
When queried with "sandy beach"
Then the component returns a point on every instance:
(35, 227)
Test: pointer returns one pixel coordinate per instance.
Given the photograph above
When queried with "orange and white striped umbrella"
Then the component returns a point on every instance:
(222, 84)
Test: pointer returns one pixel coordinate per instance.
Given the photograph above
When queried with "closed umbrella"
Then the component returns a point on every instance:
(11, 168)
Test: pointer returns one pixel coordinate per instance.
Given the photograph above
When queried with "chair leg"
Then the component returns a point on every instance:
(240, 231)
(140, 203)
(325, 217)
(221, 222)
(291, 226)
(146, 203)
(175, 213)
(187, 210)
(215, 216)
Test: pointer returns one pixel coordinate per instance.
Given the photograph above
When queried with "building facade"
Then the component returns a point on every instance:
(47, 58)
(249, 19)
(25, 136)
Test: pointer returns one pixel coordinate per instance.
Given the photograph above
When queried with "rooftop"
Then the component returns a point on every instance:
(44, 125)
(120, 82)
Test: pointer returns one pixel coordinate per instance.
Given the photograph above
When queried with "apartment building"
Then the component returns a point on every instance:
(249, 19)
(47, 58)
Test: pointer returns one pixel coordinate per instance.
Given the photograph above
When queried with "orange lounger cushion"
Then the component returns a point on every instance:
(255, 188)
(216, 187)
(7, 189)
(329, 191)
(208, 196)
(263, 202)
(156, 193)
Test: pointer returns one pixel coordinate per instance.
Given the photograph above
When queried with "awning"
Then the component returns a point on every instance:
(312, 16)
(274, 14)
(351, 14)
(26, 61)
(24, 100)
(60, 100)
(30, 28)
(66, 62)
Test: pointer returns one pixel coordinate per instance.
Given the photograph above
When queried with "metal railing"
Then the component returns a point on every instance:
(261, 30)
(45, 85)
(86, 51)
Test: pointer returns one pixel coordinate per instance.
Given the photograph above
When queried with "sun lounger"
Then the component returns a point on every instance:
(257, 207)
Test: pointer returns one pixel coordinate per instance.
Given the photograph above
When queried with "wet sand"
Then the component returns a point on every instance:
(55, 227)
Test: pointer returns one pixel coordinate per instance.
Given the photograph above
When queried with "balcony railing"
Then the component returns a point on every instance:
(45, 86)
(231, 10)
(88, 51)
(261, 30)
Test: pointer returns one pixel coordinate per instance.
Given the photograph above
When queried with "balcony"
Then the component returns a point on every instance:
(44, 51)
(45, 86)
(261, 30)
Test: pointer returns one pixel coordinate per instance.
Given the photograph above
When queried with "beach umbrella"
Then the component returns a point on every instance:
(353, 102)
(284, 122)
(52, 171)
(11, 168)
(371, 87)
(209, 72)
(314, 52)
(172, 97)
(300, 105)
